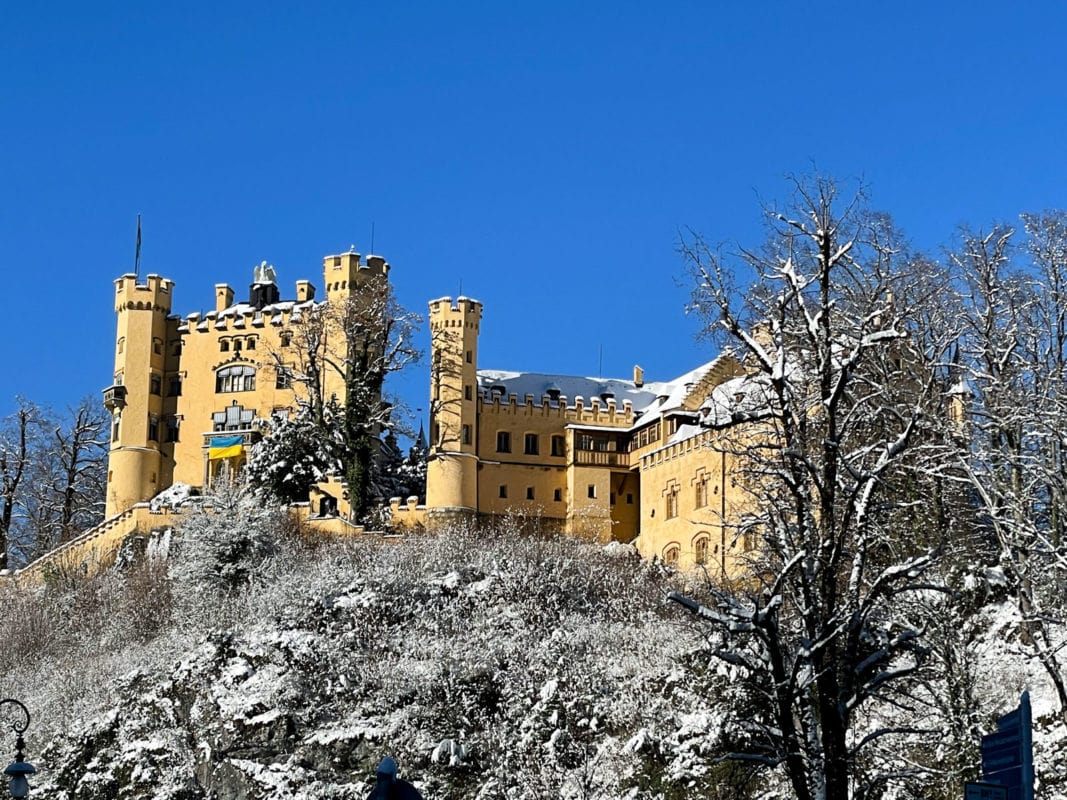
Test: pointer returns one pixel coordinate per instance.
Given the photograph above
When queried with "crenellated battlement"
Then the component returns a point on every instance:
(464, 312)
(244, 317)
(592, 412)
(345, 271)
(155, 294)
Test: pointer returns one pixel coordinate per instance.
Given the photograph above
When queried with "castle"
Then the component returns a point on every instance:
(189, 393)
(605, 459)
(652, 463)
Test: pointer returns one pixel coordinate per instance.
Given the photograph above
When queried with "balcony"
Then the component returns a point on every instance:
(601, 458)
(115, 398)
(248, 437)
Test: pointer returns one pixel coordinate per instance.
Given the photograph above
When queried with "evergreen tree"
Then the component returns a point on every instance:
(299, 451)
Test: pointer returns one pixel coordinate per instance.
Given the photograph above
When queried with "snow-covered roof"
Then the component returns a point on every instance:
(743, 396)
(240, 309)
(653, 396)
(539, 384)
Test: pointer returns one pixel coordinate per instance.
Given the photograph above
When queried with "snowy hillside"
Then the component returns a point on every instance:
(490, 666)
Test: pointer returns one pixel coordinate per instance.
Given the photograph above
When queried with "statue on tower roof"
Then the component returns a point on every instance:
(264, 273)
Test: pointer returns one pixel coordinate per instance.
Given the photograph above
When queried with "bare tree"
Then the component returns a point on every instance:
(355, 345)
(15, 442)
(79, 445)
(1014, 349)
(843, 417)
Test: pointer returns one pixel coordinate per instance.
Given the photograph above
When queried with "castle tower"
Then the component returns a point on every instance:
(354, 289)
(344, 274)
(136, 464)
(452, 470)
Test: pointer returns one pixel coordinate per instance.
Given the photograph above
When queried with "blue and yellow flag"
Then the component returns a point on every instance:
(225, 447)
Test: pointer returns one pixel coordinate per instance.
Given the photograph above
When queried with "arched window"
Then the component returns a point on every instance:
(700, 549)
(235, 379)
(670, 555)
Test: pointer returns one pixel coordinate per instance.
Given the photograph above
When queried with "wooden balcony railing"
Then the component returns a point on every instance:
(601, 458)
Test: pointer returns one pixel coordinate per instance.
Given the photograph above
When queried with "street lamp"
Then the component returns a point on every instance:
(18, 770)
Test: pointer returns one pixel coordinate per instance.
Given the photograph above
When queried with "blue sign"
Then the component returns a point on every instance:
(1008, 756)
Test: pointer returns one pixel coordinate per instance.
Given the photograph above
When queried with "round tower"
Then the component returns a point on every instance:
(135, 399)
(452, 468)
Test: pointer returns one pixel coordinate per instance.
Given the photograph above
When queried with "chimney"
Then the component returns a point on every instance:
(223, 296)
(639, 376)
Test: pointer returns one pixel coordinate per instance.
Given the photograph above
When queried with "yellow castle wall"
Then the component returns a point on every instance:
(261, 340)
(711, 457)
(154, 348)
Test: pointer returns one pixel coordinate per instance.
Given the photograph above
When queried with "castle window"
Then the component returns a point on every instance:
(559, 446)
(629, 498)
(700, 549)
(503, 442)
(177, 349)
(121, 344)
(224, 345)
(172, 429)
(237, 345)
(174, 386)
(672, 501)
(467, 393)
(470, 357)
(235, 379)
(531, 447)
(285, 338)
(283, 379)
(153, 429)
(155, 384)
(466, 434)
(670, 555)
(157, 346)
(115, 429)
(251, 345)
(529, 493)
(557, 495)
(701, 491)
(611, 499)
(591, 491)
(503, 490)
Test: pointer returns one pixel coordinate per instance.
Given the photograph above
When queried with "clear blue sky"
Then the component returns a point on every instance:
(543, 156)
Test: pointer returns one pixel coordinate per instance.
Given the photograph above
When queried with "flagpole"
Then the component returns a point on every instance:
(137, 253)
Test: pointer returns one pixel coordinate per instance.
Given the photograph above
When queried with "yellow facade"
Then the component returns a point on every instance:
(189, 393)
(605, 459)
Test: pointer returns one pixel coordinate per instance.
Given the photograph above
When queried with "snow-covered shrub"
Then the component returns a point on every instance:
(227, 541)
(490, 665)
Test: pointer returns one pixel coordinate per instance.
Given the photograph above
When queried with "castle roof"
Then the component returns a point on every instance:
(539, 384)
(652, 397)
